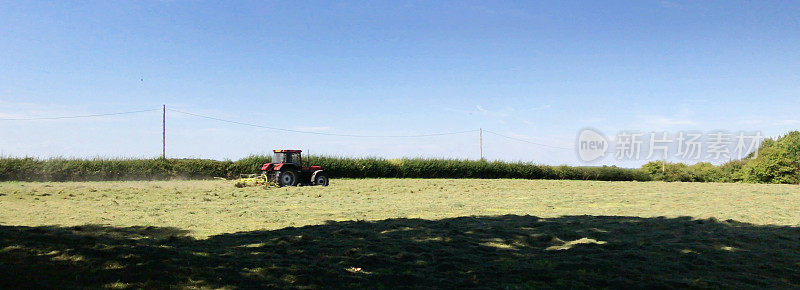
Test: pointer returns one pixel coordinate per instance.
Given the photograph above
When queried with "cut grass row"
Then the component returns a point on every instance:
(63, 169)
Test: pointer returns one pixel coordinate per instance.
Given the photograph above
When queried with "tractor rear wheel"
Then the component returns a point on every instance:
(287, 178)
(320, 178)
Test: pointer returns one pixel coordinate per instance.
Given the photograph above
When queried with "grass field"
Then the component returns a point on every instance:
(400, 232)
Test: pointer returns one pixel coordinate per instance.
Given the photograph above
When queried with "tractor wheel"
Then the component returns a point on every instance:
(287, 178)
(320, 178)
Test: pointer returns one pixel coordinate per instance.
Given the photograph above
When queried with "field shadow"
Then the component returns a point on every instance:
(467, 252)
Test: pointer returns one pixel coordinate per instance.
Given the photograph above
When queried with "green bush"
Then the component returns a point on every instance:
(658, 170)
(732, 170)
(700, 172)
(778, 161)
(706, 172)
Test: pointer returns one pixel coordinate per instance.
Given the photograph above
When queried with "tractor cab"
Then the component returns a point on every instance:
(287, 156)
(286, 169)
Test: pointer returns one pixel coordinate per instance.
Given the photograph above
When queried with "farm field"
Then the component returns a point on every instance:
(400, 232)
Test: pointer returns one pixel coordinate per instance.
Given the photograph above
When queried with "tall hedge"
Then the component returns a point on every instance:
(60, 169)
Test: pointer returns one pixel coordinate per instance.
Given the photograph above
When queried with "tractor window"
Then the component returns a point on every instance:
(279, 158)
(295, 158)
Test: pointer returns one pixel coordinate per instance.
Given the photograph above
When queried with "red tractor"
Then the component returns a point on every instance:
(287, 169)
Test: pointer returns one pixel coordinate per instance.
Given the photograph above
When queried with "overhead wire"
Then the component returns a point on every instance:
(322, 133)
(77, 116)
(285, 129)
(526, 141)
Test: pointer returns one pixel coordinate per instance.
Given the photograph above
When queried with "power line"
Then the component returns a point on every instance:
(78, 116)
(282, 129)
(321, 133)
(526, 141)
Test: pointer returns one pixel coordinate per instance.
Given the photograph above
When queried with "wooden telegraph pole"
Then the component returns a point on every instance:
(164, 132)
(481, 140)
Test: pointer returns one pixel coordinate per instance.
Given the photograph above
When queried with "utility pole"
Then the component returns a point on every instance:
(481, 140)
(164, 132)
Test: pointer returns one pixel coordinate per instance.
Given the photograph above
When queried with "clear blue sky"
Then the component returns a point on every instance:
(534, 70)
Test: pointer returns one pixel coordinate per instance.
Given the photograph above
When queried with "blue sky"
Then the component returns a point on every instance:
(538, 71)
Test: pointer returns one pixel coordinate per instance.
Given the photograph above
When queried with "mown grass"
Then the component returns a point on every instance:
(389, 233)
(59, 169)
(503, 252)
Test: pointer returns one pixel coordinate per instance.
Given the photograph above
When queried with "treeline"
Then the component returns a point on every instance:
(775, 161)
(59, 169)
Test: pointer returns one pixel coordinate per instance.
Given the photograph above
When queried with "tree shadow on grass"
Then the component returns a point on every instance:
(495, 252)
